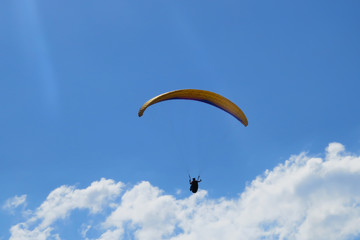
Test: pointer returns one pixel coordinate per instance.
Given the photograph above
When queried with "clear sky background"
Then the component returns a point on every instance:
(73, 75)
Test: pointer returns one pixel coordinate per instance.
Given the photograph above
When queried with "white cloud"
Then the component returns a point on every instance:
(59, 205)
(15, 202)
(304, 198)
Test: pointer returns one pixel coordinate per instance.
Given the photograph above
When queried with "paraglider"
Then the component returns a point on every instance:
(194, 184)
(202, 96)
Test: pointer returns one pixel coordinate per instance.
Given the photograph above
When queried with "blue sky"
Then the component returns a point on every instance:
(74, 74)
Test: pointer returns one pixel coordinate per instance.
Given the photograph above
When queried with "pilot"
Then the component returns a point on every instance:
(194, 184)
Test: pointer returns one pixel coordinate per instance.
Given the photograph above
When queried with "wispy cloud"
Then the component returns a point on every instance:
(14, 202)
(303, 198)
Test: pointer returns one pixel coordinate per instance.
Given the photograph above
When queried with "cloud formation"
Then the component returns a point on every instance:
(14, 202)
(60, 203)
(303, 198)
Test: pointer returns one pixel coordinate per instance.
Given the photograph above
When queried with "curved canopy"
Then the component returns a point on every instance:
(202, 96)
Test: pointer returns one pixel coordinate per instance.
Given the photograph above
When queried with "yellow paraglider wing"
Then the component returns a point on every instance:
(202, 96)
